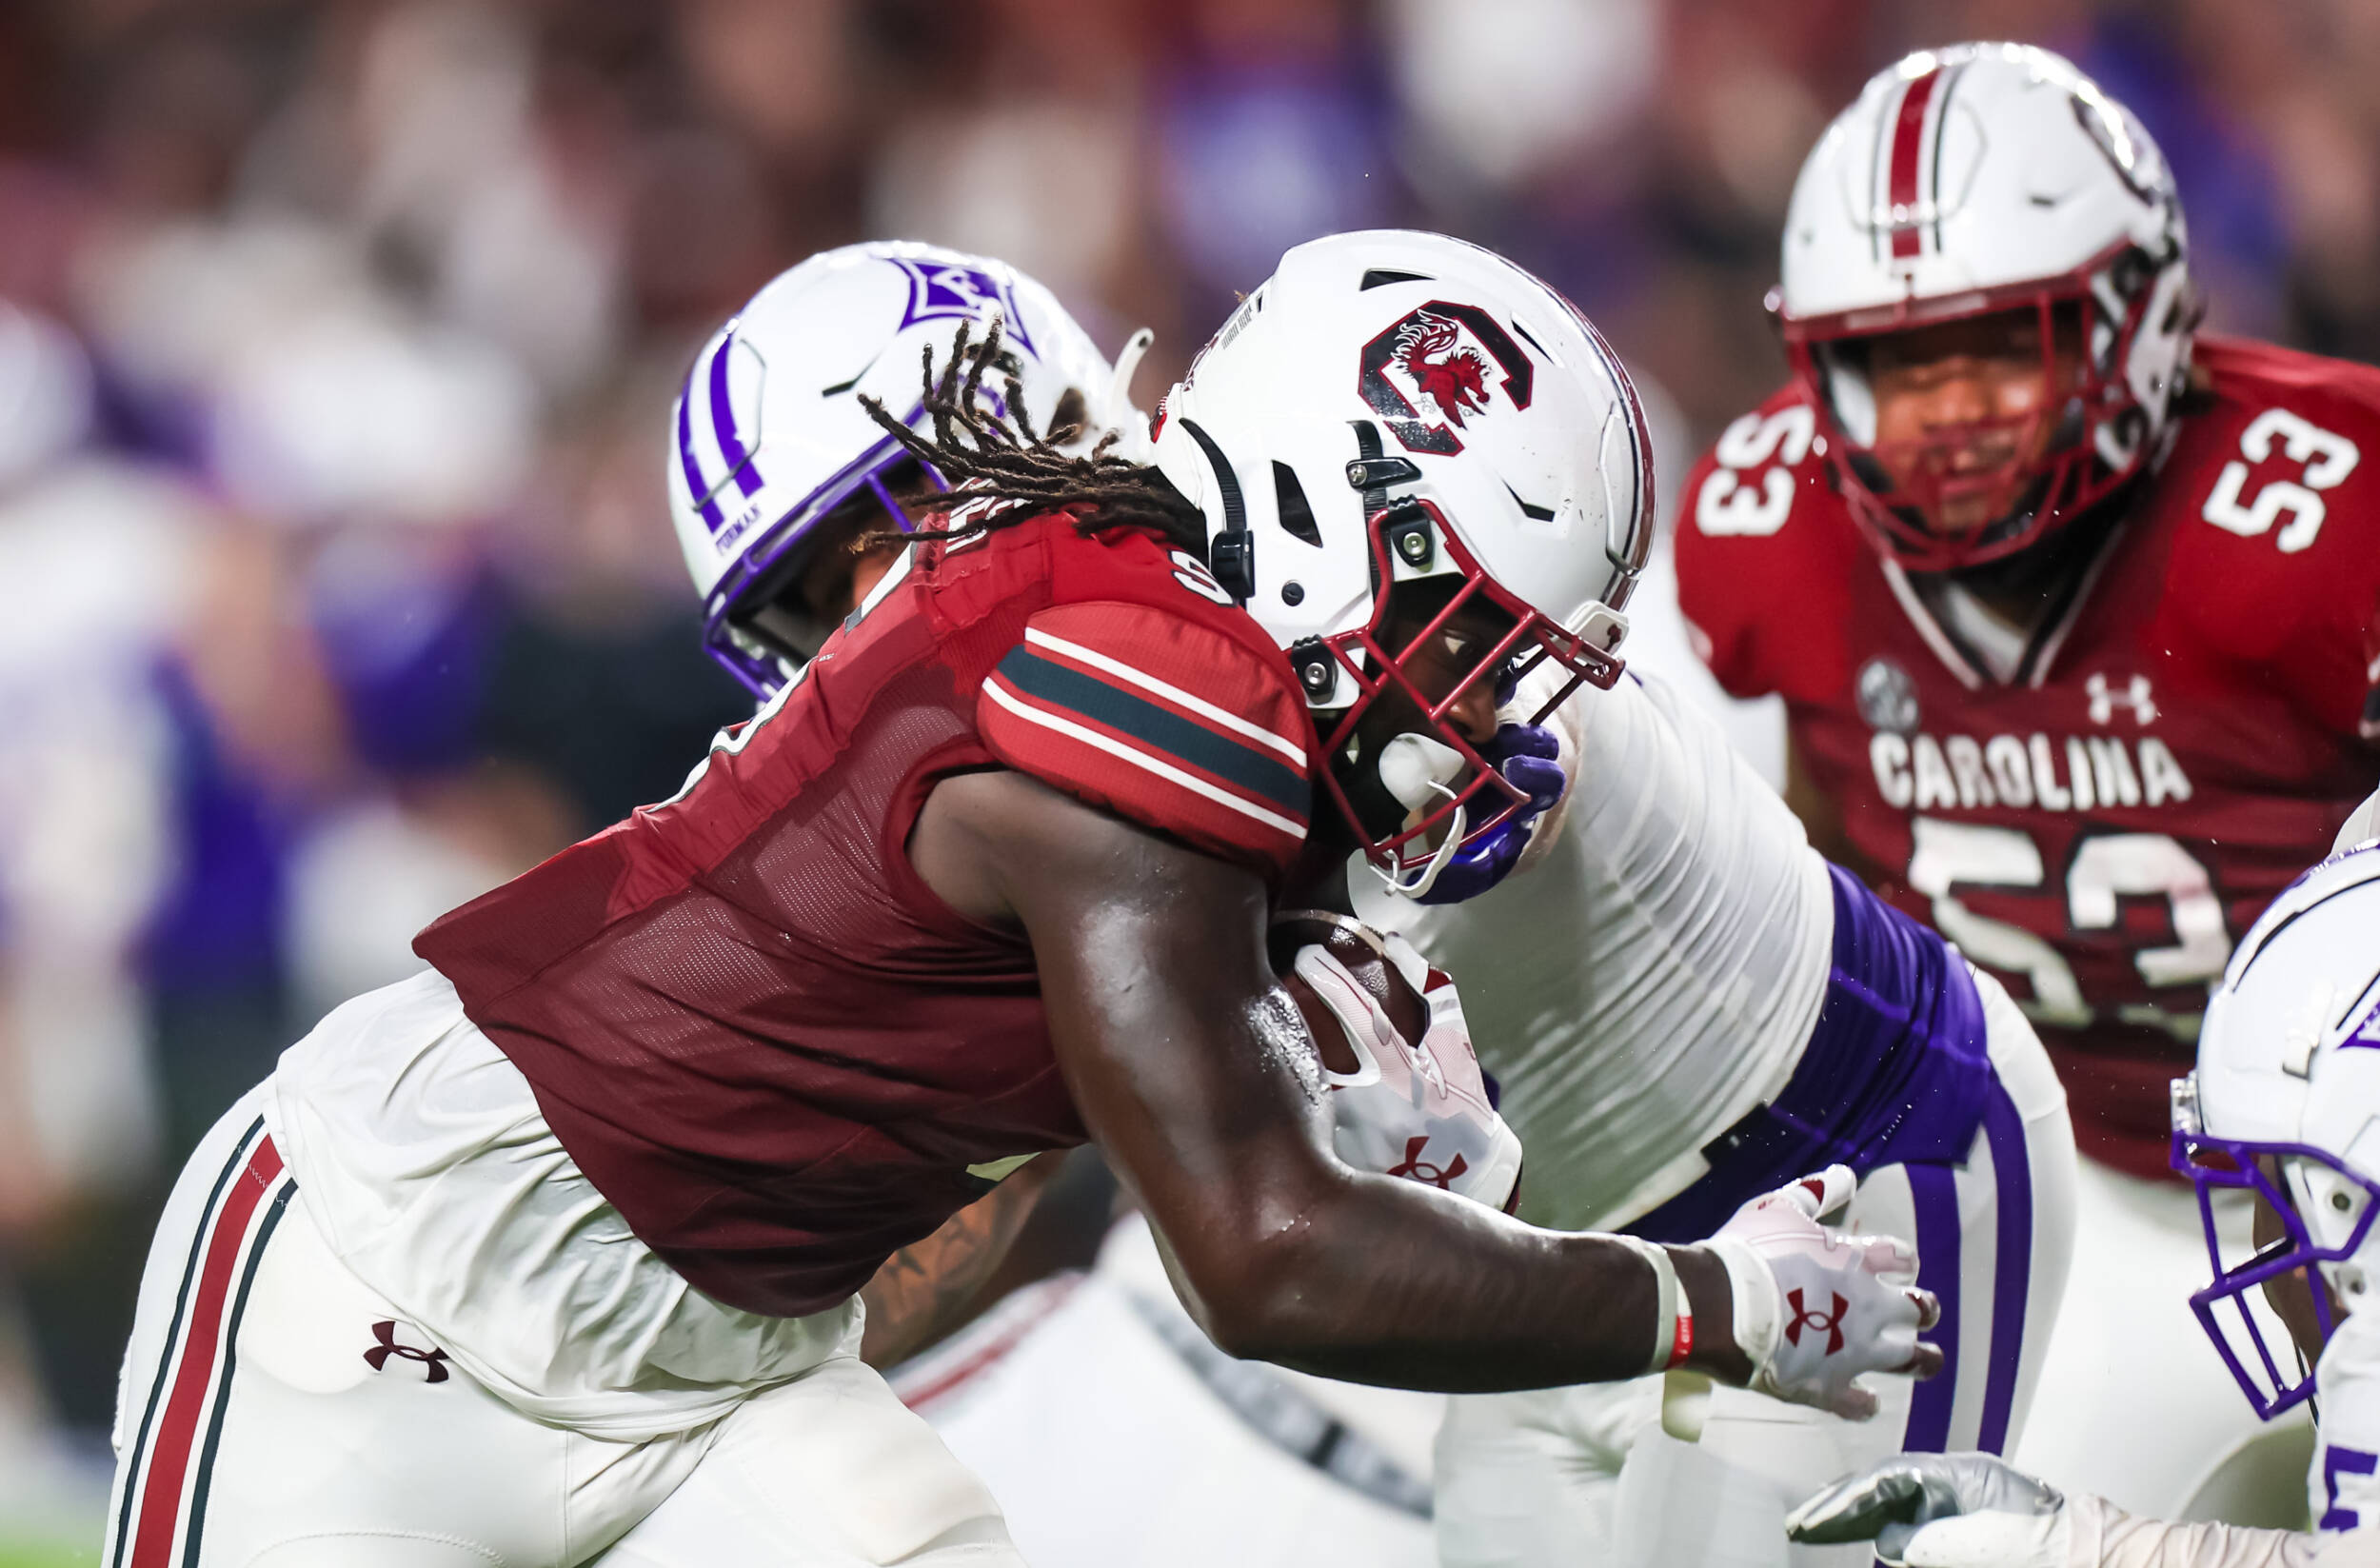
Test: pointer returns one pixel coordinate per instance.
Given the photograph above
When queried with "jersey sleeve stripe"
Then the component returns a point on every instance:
(1296, 828)
(1287, 745)
(1157, 730)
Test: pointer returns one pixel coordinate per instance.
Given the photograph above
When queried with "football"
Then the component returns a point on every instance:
(1357, 947)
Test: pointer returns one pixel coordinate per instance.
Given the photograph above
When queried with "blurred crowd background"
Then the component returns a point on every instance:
(337, 339)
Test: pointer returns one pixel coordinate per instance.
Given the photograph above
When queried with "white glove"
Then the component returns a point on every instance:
(1941, 1511)
(1813, 1310)
(1972, 1511)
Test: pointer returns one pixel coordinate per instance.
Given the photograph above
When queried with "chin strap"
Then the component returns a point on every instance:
(1416, 884)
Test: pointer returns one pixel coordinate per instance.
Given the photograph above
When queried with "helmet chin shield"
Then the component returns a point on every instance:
(2290, 1179)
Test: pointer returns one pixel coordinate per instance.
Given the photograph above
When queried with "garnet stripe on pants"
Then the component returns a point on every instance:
(230, 1365)
(168, 1466)
(173, 1334)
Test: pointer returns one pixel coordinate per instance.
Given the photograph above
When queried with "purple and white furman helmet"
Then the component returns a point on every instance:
(769, 436)
(2284, 1105)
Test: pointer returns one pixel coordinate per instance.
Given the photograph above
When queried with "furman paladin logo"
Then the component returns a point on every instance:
(947, 288)
(1448, 356)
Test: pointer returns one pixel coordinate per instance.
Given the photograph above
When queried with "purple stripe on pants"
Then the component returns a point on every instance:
(1934, 1191)
(2012, 1263)
(740, 464)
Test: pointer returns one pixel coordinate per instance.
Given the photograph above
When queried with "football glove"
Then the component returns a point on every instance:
(1941, 1511)
(1524, 754)
(1815, 1310)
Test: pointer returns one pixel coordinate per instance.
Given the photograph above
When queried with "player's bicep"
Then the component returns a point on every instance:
(1189, 1064)
(1191, 1067)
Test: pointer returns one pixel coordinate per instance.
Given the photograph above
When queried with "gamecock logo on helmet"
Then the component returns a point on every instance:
(1455, 379)
(1447, 354)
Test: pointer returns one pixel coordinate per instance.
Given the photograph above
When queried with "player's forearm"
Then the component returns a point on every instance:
(929, 1288)
(1487, 1305)
(2102, 1536)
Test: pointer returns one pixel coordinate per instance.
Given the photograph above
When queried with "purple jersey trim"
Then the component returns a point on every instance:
(1895, 1072)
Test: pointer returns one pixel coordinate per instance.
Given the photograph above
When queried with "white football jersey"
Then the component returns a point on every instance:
(1653, 975)
(2343, 1484)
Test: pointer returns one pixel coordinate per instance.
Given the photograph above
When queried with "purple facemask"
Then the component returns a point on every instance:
(763, 568)
(2225, 1308)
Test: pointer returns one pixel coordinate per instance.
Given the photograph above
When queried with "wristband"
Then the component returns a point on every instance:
(1672, 1316)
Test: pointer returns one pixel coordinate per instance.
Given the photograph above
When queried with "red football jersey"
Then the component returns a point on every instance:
(759, 1034)
(2181, 738)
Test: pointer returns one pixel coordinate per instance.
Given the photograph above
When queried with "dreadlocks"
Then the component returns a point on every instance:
(1016, 472)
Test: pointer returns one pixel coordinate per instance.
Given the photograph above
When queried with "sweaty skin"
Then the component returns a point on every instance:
(927, 1289)
(1193, 1075)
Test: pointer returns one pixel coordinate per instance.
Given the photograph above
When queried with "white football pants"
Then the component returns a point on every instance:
(275, 1412)
(1585, 1474)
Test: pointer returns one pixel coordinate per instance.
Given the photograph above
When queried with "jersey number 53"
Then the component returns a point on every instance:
(2103, 869)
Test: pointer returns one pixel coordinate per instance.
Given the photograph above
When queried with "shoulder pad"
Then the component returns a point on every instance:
(1170, 723)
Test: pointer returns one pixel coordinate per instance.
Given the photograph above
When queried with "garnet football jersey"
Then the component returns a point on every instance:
(2182, 735)
(754, 1027)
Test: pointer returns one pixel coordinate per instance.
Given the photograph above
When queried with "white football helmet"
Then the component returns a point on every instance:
(1970, 180)
(1394, 408)
(2286, 1105)
(769, 436)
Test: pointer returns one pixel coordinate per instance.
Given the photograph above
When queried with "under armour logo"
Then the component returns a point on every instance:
(1803, 1317)
(1415, 1169)
(2135, 696)
(377, 1356)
